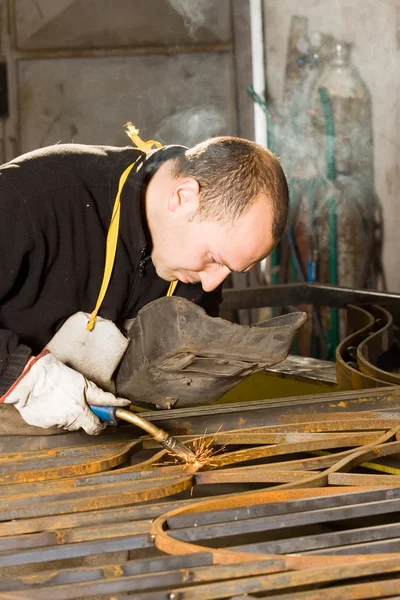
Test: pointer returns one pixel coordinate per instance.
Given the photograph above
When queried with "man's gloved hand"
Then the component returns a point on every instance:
(50, 393)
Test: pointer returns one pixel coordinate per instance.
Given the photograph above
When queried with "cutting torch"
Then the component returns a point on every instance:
(112, 414)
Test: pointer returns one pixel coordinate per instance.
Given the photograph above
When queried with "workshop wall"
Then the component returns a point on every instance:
(80, 69)
(373, 28)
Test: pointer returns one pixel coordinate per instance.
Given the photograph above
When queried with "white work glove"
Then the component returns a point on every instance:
(50, 393)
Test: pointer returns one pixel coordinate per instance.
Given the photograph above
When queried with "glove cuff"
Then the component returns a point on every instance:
(25, 371)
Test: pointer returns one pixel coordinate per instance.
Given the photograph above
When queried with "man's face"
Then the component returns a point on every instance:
(205, 252)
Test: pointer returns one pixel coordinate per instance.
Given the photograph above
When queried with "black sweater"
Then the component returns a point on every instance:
(56, 205)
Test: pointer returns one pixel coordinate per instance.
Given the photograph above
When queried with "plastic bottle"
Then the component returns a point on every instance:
(349, 107)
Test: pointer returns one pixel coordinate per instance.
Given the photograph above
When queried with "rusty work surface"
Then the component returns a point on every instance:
(277, 510)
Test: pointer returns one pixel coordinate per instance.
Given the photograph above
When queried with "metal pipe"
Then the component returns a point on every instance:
(173, 446)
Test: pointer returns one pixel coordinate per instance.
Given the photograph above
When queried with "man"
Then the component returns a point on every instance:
(192, 215)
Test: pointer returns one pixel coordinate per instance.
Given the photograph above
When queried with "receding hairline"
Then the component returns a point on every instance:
(269, 175)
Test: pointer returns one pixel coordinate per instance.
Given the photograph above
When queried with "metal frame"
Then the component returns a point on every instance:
(315, 294)
(291, 539)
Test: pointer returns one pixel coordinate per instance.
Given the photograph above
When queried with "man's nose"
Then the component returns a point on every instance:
(211, 279)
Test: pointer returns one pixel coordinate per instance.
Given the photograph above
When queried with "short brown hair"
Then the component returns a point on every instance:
(232, 172)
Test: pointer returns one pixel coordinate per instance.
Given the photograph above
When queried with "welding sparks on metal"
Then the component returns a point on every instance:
(204, 448)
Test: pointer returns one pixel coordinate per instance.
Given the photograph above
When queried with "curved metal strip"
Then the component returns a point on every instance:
(64, 463)
(348, 375)
(377, 343)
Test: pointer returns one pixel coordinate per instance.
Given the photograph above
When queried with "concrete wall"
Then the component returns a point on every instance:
(374, 30)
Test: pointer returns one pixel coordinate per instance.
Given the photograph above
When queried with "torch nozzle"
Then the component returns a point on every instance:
(178, 449)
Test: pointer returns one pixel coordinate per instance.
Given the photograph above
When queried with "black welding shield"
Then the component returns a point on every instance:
(178, 355)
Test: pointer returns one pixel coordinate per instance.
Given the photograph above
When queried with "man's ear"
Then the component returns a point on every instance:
(185, 195)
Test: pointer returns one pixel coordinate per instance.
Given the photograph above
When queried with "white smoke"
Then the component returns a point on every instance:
(191, 126)
(194, 13)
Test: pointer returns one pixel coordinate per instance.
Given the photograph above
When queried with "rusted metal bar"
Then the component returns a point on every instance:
(363, 479)
(326, 542)
(74, 550)
(291, 448)
(244, 415)
(291, 502)
(255, 475)
(70, 461)
(257, 524)
(133, 567)
(351, 591)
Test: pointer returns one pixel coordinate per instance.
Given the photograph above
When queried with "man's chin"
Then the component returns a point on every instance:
(186, 279)
(168, 276)
(164, 274)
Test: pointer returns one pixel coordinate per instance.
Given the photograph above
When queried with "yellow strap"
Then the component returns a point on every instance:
(172, 287)
(133, 133)
(112, 235)
(111, 247)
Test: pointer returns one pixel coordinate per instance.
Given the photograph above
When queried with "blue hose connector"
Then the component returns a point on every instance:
(105, 414)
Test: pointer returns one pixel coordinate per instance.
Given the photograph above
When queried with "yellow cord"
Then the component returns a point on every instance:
(112, 235)
(133, 133)
(172, 287)
(111, 247)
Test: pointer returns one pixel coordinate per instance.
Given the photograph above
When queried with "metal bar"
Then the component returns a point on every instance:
(350, 591)
(258, 524)
(363, 479)
(252, 437)
(14, 471)
(373, 547)
(75, 550)
(245, 415)
(316, 294)
(79, 574)
(288, 448)
(259, 475)
(69, 494)
(322, 541)
(286, 505)
(69, 536)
